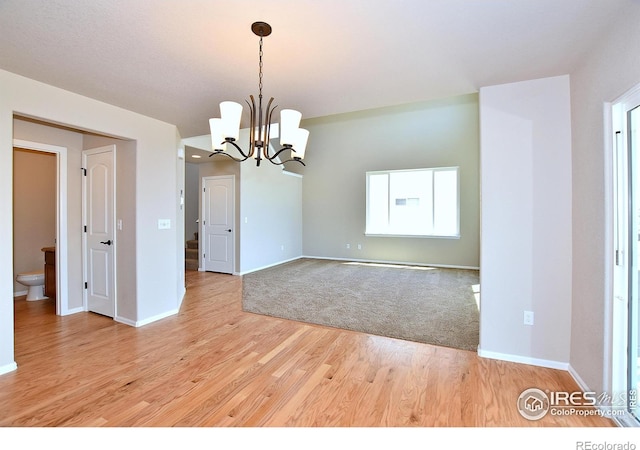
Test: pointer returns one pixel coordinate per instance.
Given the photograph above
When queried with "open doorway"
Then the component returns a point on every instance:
(67, 144)
(39, 212)
(35, 176)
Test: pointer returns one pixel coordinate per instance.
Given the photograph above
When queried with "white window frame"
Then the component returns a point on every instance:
(425, 235)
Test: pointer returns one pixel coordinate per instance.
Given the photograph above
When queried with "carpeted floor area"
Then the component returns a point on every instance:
(422, 304)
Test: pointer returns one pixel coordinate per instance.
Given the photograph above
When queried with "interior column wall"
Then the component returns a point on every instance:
(526, 221)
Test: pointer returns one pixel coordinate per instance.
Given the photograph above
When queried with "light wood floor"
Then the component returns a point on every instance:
(214, 365)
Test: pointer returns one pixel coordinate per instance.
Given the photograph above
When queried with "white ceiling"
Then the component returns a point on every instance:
(176, 60)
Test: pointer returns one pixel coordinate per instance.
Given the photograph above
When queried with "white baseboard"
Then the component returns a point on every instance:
(74, 311)
(371, 261)
(184, 292)
(8, 368)
(625, 420)
(524, 360)
(19, 294)
(579, 381)
(140, 323)
(270, 265)
(379, 261)
(124, 320)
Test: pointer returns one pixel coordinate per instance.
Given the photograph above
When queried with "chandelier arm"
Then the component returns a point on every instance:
(296, 160)
(220, 152)
(252, 126)
(244, 155)
(278, 153)
(286, 161)
(267, 132)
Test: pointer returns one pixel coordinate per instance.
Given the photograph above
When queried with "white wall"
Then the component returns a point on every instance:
(525, 156)
(270, 215)
(156, 193)
(610, 69)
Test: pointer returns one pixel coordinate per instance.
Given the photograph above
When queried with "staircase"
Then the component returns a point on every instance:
(191, 254)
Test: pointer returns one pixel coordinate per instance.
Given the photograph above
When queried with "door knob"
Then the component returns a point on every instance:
(106, 242)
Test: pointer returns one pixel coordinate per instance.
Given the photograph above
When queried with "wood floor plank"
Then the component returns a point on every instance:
(297, 400)
(213, 365)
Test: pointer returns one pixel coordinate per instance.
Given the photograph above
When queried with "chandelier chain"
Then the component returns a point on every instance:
(260, 75)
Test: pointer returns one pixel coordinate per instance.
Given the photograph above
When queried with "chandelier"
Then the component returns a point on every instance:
(226, 129)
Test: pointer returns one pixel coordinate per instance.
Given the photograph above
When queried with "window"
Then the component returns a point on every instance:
(418, 202)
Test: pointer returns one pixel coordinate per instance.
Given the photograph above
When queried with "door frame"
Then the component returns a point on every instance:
(101, 149)
(201, 236)
(62, 279)
(617, 231)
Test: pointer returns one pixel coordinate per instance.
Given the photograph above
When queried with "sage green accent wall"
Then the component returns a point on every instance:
(342, 148)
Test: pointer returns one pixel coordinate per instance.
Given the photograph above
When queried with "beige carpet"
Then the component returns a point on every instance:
(421, 304)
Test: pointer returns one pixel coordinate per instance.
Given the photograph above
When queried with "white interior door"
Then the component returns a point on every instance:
(98, 213)
(218, 213)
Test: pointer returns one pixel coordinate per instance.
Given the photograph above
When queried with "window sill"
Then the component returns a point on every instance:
(419, 236)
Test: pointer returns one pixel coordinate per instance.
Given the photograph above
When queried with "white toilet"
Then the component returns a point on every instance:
(35, 281)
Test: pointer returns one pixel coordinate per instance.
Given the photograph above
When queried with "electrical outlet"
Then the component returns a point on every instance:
(348, 246)
(359, 246)
(528, 317)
